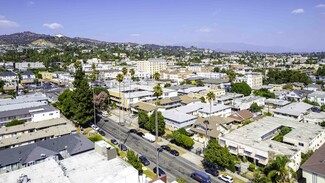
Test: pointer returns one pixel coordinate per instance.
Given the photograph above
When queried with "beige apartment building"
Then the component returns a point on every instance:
(152, 65)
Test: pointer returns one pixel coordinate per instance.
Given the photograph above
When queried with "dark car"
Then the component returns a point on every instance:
(212, 171)
(174, 152)
(161, 172)
(201, 177)
(101, 132)
(133, 131)
(165, 147)
(123, 147)
(144, 160)
(140, 134)
(114, 141)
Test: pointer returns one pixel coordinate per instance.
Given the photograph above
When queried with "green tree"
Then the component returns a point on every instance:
(199, 83)
(288, 86)
(119, 78)
(242, 88)
(231, 75)
(150, 126)
(218, 155)
(320, 71)
(95, 73)
(255, 108)
(132, 72)
(181, 180)
(124, 71)
(156, 76)
(14, 123)
(216, 69)
(277, 170)
(182, 140)
(167, 85)
(322, 124)
(83, 98)
(143, 118)
(133, 159)
(202, 99)
(263, 92)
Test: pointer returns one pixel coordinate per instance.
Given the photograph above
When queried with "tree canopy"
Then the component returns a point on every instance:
(150, 125)
(133, 159)
(180, 138)
(287, 76)
(242, 88)
(263, 92)
(255, 108)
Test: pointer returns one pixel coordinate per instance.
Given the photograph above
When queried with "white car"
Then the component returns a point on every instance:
(226, 178)
(95, 127)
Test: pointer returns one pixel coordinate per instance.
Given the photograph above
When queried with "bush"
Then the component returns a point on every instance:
(251, 167)
(244, 159)
(14, 123)
(95, 138)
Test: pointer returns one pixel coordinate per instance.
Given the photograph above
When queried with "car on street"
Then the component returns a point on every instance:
(161, 172)
(174, 152)
(123, 147)
(212, 171)
(144, 160)
(226, 178)
(101, 132)
(140, 134)
(94, 127)
(165, 147)
(201, 177)
(114, 141)
(133, 131)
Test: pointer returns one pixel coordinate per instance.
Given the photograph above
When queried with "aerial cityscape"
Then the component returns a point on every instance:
(162, 91)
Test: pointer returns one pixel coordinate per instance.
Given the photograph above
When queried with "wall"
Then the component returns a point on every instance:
(45, 115)
(310, 177)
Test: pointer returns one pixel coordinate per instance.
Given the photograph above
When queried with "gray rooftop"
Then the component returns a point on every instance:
(27, 110)
(74, 144)
(318, 94)
(277, 102)
(177, 116)
(27, 99)
(294, 109)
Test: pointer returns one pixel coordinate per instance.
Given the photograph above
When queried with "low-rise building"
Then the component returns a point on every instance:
(255, 140)
(298, 95)
(215, 110)
(313, 170)
(246, 102)
(314, 117)
(317, 96)
(241, 116)
(27, 77)
(228, 98)
(275, 103)
(29, 65)
(175, 120)
(9, 77)
(295, 110)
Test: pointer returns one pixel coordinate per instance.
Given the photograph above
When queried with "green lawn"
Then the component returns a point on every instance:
(149, 173)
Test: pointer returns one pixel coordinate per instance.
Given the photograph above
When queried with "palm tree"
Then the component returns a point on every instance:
(210, 96)
(277, 170)
(157, 92)
(124, 71)
(156, 76)
(119, 78)
(132, 72)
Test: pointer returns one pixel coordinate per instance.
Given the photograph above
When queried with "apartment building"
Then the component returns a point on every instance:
(255, 140)
(29, 65)
(9, 77)
(128, 95)
(246, 102)
(252, 79)
(152, 65)
(317, 96)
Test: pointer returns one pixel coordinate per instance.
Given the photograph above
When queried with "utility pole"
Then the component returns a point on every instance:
(94, 106)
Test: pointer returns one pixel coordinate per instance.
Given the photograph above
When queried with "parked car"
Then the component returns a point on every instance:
(123, 147)
(101, 132)
(212, 171)
(201, 177)
(165, 147)
(133, 131)
(114, 141)
(94, 127)
(161, 172)
(140, 134)
(144, 160)
(174, 152)
(225, 178)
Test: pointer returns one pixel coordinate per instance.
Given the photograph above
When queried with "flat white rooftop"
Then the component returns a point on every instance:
(86, 167)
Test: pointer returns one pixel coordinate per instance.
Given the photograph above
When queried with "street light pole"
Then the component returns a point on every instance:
(94, 107)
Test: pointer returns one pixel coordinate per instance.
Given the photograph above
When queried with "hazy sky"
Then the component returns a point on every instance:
(296, 24)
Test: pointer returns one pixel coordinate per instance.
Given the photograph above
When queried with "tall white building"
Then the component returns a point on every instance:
(252, 79)
(152, 65)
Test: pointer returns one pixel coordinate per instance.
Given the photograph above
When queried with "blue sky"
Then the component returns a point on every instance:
(295, 24)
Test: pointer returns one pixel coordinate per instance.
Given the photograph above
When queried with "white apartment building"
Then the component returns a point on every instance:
(317, 96)
(152, 65)
(255, 140)
(29, 65)
(252, 79)
(211, 75)
(129, 95)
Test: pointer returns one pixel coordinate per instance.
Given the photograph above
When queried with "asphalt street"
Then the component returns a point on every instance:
(175, 167)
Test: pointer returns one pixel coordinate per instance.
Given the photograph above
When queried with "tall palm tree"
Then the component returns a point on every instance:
(132, 72)
(157, 92)
(119, 78)
(156, 76)
(278, 169)
(125, 72)
(210, 96)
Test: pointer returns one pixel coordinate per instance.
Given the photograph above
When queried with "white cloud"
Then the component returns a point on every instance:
(135, 35)
(204, 29)
(320, 6)
(298, 11)
(4, 23)
(53, 26)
